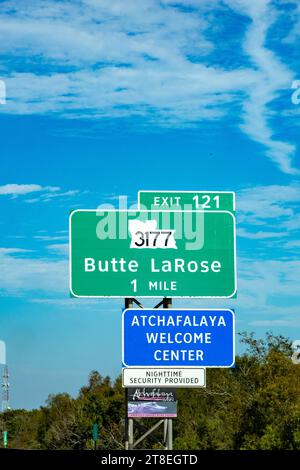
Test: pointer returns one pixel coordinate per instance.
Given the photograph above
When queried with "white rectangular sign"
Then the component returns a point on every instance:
(164, 377)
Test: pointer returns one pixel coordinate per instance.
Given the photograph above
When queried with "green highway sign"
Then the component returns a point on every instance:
(5, 440)
(181, 200)
(95, 432)
(140, 253)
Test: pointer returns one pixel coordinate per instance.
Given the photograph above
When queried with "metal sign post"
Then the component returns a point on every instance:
(129, 422)
(128, 304)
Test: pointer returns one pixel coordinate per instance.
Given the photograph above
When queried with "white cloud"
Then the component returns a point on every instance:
(51, 238)
(70, 192)
(23, 274)
(275, 277)
(23, 189)
(260, 235)
(277, 204)
(292, 244)
(273, 76)
(42, 280)
(293, 322)
(149, 58)
(7, 251)
(44, 193)
(60, 248)
(32, 201)
(270, 215)
(294, 34)
(268, 290)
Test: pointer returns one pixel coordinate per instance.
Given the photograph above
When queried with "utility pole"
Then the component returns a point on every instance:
(5, 389)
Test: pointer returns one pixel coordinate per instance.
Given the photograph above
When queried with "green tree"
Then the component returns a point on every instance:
(255, 405)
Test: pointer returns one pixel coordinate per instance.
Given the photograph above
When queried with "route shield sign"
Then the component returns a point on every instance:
(152, 253)
(192, 200)
(178, 338)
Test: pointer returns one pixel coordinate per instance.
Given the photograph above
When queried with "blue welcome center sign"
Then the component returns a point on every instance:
(178, 337)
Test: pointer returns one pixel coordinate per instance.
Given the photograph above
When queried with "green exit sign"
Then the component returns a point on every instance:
(146, 253)
(5, 440)
(182, 200)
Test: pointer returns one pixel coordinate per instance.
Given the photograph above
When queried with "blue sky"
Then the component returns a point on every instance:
(104, 98)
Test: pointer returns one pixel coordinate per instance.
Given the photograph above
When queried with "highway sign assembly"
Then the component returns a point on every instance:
(176, 244)
(152, 254)
(178, 338)
(95, 432)
(164, 377)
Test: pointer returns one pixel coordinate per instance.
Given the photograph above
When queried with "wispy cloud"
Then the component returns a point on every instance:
(21, 273)
(267, 290)
(292, 244)
(42, 279)
(24, 189)
(151, 59)
(270, 216)
(49, 196)
(273, 77)
(9, 251)
(267, 278)
(276, 205)
(59, 248)
(260, 235)
(42, 193)
(51, 238)
(285, 321)
(294, 33)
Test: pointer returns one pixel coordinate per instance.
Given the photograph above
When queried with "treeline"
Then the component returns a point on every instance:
(255, 405)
